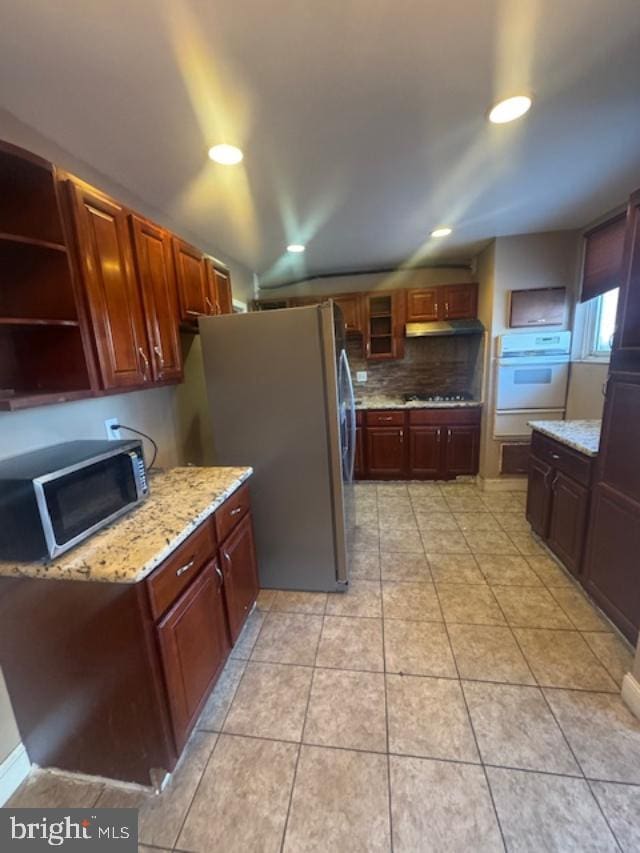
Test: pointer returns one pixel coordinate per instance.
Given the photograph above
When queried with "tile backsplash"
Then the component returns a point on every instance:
(430, 366)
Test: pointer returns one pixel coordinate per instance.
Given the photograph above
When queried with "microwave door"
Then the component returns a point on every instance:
(86, 498)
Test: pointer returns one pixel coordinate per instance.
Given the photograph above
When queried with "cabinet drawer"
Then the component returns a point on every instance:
(448, 417)
(385, 418)
(231, 511)
(562, 458)
(167, 582)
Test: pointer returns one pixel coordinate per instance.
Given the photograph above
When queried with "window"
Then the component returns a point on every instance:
(601, 324)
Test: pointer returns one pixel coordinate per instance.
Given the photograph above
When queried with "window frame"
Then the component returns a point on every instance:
(590, 352)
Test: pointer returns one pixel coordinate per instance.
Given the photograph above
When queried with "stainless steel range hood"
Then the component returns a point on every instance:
(443, 327)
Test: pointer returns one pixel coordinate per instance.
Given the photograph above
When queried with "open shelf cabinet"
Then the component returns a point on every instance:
(43, 352)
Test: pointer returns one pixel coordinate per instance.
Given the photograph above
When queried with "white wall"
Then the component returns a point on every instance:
(364, 282)
(521, 262)
(162, 412)
(585, 399)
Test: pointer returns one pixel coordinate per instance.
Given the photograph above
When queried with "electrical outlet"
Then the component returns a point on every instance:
(112, 434)
(361, 376)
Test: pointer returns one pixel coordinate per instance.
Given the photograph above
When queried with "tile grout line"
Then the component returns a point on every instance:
(473, 731)
(386, 701)
(304, 724)
(217, 741)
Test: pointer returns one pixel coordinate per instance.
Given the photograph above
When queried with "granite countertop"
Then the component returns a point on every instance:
(384, 401)
(128, 550)
(583, 436)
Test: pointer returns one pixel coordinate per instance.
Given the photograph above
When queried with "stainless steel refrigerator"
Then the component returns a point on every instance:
(281, 399)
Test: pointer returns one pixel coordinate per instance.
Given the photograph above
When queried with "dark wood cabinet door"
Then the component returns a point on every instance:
(156, 275)
(238, 558)
(194, 645)
(351, 305)
(385, 451)
(539, 496)
(224, 298)
(568, 521)
(422, 305)
(359, 467)
(425, 452)
(113, 296)
(462, 450)
(191, 278)
(460, 301)
(612, 565)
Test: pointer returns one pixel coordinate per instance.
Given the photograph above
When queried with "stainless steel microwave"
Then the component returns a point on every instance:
(52, 499)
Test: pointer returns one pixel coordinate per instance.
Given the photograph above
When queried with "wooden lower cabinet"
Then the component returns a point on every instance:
(425, 451)
(194, 645)
(558, 499)
(568, 521)
(539, 496)
(135, 662)
(462, 450)
(385, 452)
(240, 573)
(420, 444)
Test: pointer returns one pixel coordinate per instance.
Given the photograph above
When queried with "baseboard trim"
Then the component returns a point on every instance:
(13, 771)
(513, 483)
(631, 694)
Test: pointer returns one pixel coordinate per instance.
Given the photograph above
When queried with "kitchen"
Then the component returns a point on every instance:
(467, 627)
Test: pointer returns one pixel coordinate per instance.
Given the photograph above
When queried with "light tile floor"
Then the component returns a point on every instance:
(462, 696)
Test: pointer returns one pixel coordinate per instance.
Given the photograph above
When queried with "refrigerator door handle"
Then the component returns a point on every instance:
(351, 446)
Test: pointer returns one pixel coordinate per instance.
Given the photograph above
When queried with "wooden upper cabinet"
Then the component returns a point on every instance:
(460, 301)
(351, 306)
(191, 278)
(156, 276)
(446, 302)
(384, 325)
(422, 305)
(217, 290)
(113, 296)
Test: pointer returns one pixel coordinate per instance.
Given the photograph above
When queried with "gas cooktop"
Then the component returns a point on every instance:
(449, 397)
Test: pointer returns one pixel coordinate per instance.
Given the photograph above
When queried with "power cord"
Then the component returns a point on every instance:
(144, 435)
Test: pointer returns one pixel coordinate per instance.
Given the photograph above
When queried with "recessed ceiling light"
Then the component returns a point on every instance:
(227, 155)
(441, 232)
(510, 109)
(295, 248)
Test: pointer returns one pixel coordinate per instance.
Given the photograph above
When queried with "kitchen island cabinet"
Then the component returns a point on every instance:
(128, 632)
(558, 495)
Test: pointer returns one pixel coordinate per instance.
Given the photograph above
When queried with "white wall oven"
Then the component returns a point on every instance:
(532, 376)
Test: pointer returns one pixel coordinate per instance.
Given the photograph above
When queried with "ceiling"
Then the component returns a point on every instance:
(363, 122)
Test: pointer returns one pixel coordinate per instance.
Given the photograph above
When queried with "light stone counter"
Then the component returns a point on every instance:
(383, 401)
(128, 550)
(583, 436)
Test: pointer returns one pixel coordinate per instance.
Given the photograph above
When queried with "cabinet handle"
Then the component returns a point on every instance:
(210, 305)
(158, 352)
(554, 483)
(438, 435)
(388, 418)
(446, 307)
(448, 436)
(185, 568)
(401, 435)
(237, 510)
(221, 576)
(555, 456)
(145, 362)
